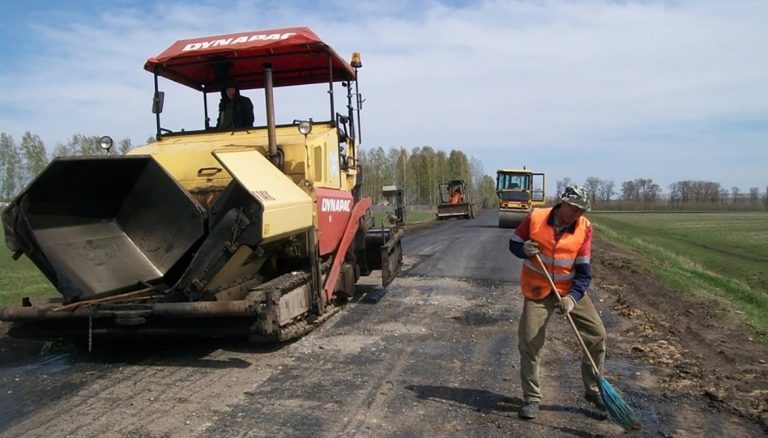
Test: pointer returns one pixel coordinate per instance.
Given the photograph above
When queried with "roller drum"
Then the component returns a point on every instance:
(511, 219)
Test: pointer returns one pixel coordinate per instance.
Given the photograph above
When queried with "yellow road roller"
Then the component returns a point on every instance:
(519, 192)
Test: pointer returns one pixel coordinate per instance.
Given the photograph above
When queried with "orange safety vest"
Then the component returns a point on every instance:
(558, 255)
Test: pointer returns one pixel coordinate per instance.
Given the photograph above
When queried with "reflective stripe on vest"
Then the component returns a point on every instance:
(559, 256)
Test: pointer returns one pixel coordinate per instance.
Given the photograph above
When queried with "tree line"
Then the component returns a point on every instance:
(21, 163)
(418, 172)
(644, 194)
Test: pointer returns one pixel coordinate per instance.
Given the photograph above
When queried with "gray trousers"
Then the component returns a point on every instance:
(532, 332)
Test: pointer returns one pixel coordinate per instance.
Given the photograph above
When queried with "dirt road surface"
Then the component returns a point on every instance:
(435, 354)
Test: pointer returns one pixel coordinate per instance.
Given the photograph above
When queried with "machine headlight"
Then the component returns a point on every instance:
(305, 127)
(106, 143)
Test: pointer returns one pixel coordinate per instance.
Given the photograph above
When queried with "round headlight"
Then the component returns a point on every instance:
(305, 127)
(106, 142)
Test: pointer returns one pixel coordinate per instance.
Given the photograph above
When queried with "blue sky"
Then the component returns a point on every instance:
(668, 90)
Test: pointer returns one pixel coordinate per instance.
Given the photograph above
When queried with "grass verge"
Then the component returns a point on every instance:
(21, 278)
(722, 256)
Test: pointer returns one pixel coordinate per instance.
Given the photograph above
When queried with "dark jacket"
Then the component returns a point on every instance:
(241, 112)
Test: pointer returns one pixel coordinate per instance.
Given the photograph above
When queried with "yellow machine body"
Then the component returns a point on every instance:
(519, 191)
(250, 231)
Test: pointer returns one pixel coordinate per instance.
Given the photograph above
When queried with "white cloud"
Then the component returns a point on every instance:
(581, 89)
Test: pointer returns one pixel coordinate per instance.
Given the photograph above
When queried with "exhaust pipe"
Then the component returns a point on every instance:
(269, 98)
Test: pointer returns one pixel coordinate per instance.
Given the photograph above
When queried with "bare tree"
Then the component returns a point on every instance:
(723, 194)
(428, 178)
(68, 149)
(33, 156)
(420, 172)
(458, 165)
(479, 194)
(629, 191)
(79, 144)
(605, 191)
(487, 191)
(412, 173)
(10, 167)
(442, 167)
(754, 195)
(710, 192)
(648, 190)
(561, 184)
(377, 172)
(640, 189)
(592, 185)
(680, 191)
(123, 146)
(735, 195)
(700, 192)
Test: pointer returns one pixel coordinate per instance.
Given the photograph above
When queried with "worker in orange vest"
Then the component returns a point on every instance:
(562, 237)
(456, 196)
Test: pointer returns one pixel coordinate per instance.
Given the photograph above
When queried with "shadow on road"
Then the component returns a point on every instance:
(486, 401)
(177, 352)
(479, 399)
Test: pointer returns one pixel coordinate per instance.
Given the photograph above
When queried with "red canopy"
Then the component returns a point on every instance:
(296, 54)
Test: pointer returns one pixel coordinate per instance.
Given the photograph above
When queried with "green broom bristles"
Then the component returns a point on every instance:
(619, 411)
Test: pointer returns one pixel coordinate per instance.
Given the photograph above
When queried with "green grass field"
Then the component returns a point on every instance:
(20, 278)
(722, 255)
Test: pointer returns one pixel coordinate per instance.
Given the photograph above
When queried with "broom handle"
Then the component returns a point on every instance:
(568, 316)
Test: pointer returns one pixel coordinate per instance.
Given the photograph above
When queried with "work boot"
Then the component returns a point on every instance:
(529, 411)
(596, 400)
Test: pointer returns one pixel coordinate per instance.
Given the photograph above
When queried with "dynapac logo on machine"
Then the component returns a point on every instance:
(330, 204)
(237, 40)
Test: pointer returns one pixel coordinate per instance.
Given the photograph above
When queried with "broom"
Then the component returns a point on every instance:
(619, 411)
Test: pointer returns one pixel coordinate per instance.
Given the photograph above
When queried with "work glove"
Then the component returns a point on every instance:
(530, 248)
(567, 303)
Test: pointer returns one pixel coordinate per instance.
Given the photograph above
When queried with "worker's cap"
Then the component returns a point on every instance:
(577, 196)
